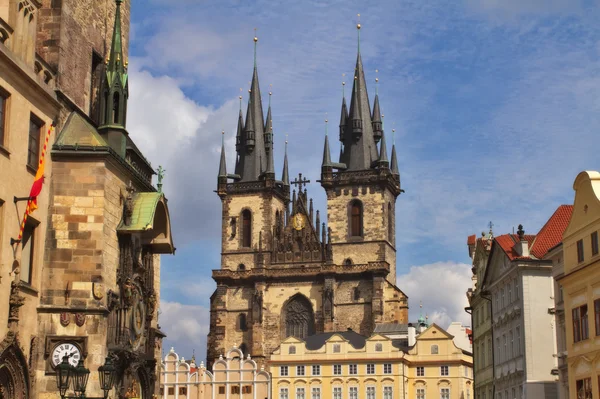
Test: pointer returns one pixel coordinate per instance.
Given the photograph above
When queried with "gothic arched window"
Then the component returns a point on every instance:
(298, 317)
(356, 219)
(246, 228)
(390, 224)
(242, 324)
(116, 108)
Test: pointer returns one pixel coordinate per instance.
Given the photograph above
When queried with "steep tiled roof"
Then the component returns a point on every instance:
(551, 234)
(508, 241)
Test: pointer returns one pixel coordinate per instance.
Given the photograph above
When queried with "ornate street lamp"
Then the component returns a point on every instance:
(65, 373)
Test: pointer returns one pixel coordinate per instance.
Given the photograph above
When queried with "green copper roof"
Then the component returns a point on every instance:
(78, 131)
(144, 207)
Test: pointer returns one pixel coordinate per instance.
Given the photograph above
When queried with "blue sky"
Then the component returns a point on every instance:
(495, 105)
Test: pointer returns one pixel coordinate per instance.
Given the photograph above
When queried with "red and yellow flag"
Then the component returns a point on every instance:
(38, 182)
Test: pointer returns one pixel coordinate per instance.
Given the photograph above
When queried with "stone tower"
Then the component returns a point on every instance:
(283, 272)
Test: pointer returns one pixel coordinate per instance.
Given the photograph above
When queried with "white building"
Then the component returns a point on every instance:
(519, 282)
(461, 336)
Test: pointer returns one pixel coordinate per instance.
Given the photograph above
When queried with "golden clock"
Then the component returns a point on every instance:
(298, 221)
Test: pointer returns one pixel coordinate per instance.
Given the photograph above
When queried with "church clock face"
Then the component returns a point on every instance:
(66, 349)
(298, 221)
(138, 320)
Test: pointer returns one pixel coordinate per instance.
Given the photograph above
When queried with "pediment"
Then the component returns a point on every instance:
(586, 206)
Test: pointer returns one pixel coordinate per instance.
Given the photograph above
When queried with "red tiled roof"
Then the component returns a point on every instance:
(471, 240)
(508, 241)
(552, 232)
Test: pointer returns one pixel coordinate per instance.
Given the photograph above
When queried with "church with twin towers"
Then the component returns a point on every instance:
(286, 270)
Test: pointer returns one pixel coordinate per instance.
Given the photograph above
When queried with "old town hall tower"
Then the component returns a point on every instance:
(286, 271)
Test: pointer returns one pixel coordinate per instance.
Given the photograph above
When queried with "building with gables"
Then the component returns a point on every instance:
(581, 289)
(518, 280)
(232, 376)
(287, 271)
(85, 280)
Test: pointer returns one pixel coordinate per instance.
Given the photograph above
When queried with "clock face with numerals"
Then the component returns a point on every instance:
(67, 349)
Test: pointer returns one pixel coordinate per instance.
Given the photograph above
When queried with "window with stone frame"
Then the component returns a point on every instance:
(246, 228)
(337, 392)
(596, 304)
(316, 369)
(444, 371)
(352, 369)
(353, 393)
(33, 148)
(337, 369)
(445, 393)
(183, 390)
(95, 80)
(371, 392)
(247, 389)
(235, 389)
(356, 219)
(316, 393)
(387, 368)
(300, 370)
(583, 388)
(283, 371)
(594, 239)
(580, 256)
(388, 392)
(242, 322)
(171, 390)
(283, 393)
(299, 317)
(221, 390)
(28, 250)
(4, 95)
(300, 393)
(370, 368)
(420, 393)
(420, 371)
(580, 323)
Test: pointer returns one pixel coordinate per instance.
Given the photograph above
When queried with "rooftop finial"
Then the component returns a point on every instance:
(270, 93)
(343, 86)
(358, 31)
(382, 121)
(394, 136)
(223, 137)
(241, 98)
(255, 41)
(326, 123)
(376, 82)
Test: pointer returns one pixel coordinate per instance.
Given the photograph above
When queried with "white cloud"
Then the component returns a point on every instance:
(441, 287)
(186, 327)
(512, 8)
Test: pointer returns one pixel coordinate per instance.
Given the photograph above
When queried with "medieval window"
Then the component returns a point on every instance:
(316, 393)
(246, 228)
(235, 389)
(298, 316)
(356, 219)
(116, 108)
(444, 371)
(390, 224)
(337, 348)
(378, 347)
(596, 311)
(283, 393)
(348, 262)
(183, 390)
(370, 368)
(300, 393)
(387, 368)
(316, 369)
(352, 369)
(337, 369)
(420, 371)
(434, 349)
(300, 370)
(242, 323)
(28, 251)
(221, 390)
(594, 238)
(580, 323)
(95, 80)
(3, 111)
(244, 349)
(241, 267)
(283, 371)
(292, 350)
(580, 251)
(356, 293)
(33, 150)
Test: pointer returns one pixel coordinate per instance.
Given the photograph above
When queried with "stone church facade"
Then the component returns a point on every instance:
(284, 271)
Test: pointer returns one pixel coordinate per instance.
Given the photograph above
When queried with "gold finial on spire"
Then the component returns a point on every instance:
(255, 37)
(358, 24)
(249, 87)
(326, 123)
(343, 86)
(270, 88)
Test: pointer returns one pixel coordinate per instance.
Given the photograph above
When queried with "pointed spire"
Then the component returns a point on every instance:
(116, 61)
(269, 143)
(222, 164)
(285, 176)
(343, 120)
(376, 119)
(326, 153)
(394, 160)
(383, 159)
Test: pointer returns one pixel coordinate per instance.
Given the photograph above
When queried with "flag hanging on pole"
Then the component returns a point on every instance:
(38, 182)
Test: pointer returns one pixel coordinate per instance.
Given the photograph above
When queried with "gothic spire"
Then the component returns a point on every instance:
(270, 172)
(239, 145)
(326, 153)
(383, 159)
(376, 120)
(222, 164)
(285, 176)
(359, 144)
(394, 160)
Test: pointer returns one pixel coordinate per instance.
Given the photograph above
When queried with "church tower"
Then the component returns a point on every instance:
(283, 271)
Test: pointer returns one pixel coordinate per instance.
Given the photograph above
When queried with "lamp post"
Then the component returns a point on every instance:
(67, 375)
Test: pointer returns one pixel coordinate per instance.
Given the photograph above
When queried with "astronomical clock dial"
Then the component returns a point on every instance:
(298, 221)
(66, 349)
(138, 320)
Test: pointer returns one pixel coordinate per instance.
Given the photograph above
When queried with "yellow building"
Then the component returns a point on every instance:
(581, 288)
(346, 365)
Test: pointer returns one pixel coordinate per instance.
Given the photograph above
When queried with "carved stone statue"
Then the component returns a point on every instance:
(258, 304)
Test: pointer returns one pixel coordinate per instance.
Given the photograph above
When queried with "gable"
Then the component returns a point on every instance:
(586, 205)
(378, 337)
(498, 264)
(434, 332)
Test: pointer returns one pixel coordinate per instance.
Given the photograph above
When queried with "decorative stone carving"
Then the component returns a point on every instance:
(299, 319)
(15, 301)
(65, 319)
(79, 319)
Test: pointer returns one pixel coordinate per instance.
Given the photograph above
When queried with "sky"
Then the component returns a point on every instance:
(495, 104)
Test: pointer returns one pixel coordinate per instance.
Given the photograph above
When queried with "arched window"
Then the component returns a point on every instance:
(292, 350)
(246, 228)
(241, 267)
(244, 349)
(356, 219)
(298, 316)
(242, 325)
(348, 262)
(116, 108)
(434, 349)
(390, 224)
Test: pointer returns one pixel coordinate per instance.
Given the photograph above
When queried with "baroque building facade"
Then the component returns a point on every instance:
(85, 280)
(284, 271)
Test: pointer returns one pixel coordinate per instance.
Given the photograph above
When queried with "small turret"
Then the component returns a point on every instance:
(376, 120)
(355, 117)
(250, 131)
(394, 160)
(343, 119)
(383, 162)
(285, 175)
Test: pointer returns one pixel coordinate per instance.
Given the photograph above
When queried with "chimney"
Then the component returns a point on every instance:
(522, 247)
(412, 335)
